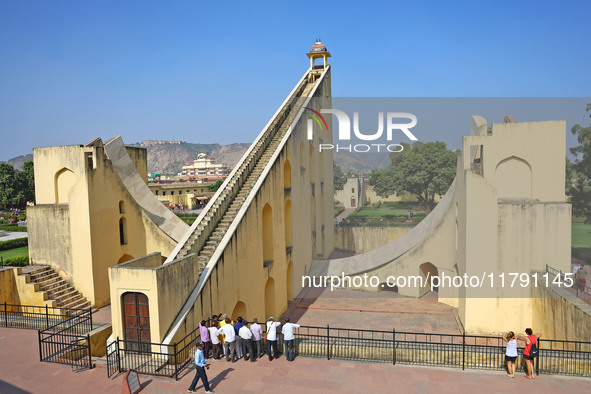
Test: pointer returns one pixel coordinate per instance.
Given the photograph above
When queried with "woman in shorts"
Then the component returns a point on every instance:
(531, 339)
(510, 352)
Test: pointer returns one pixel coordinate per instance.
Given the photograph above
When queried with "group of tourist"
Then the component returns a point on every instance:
(529, 352)
(239, 340)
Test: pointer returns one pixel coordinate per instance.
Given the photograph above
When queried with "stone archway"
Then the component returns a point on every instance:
(239, 311)
(270, 298)
(125, 258)
(63, 181)
(427, 271)
(288, 280)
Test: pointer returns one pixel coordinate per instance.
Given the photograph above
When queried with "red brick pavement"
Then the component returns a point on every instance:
(21, 372)
(364, 310)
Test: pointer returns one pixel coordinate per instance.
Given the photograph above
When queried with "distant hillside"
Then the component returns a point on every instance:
(17, 162)
(361, 162)
(168, 158)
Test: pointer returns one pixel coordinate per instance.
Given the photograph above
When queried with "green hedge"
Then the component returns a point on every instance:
(18, 261)
(14, 243)
(7, 227)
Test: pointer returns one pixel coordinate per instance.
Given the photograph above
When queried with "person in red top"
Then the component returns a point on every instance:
(530, 340)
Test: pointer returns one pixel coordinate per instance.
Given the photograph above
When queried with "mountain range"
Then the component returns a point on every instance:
(168, 158)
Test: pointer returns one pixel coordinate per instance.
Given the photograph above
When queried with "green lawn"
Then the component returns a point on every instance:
(388, 209)
(581, 241)
(387, 214)
(23, 251)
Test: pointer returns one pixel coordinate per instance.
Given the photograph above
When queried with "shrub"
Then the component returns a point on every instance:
(12, 227)
(14, 243)
(378, 204)
(18, 261)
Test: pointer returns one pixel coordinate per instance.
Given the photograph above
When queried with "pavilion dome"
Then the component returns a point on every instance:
(318, 47)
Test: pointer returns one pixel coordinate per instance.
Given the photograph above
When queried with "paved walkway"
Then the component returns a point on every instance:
(382, 311)
(8, 235)
(344, 214)
(21, 372)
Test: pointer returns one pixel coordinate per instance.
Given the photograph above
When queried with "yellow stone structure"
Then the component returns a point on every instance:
(506, 212)
(271, 222)
(246, 251)
(88, 216)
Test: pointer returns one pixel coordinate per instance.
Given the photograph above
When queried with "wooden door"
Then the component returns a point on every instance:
(136, 320)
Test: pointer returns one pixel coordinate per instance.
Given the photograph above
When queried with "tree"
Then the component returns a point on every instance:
(17, 187)
(216, 185)
(579, 184)
(423, 169)
(7, 189)
(338, 176)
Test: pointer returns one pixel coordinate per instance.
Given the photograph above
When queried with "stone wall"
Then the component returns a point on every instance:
(559, 314)
(364, 239)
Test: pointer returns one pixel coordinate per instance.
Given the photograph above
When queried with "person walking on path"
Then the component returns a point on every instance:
(229, 340)
(289, 338)
(510, 352)
(257, 334)
(204, 334)
(200, 366)
(582, 277)
(272, 338)
(246, 338)
(216, 351)
(530, 352)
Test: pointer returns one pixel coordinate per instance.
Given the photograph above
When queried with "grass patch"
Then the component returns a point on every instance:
(22, 251)
(388, 214)
(581, 241)
(338, 210)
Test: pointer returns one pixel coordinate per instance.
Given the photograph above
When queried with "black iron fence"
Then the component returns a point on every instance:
(446, 350)
(37, 317)
(67, 342)
(152, 358)
(396, 347)
(582, 291)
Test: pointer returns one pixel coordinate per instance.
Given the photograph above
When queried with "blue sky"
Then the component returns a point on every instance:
(210, 72)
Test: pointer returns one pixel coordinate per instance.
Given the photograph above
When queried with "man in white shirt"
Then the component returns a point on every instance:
(272, 338)
(227, 330)
(246, 336)
(257, 336)
(216, 350)
(288, 339)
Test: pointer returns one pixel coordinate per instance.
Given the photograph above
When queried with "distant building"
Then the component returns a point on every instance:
(160, 142)
(205, 168)
(354, 193)
(191, 195)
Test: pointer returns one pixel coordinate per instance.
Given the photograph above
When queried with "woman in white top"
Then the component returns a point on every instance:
(511, 352)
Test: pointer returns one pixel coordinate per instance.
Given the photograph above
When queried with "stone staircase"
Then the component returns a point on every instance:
(59, 293)
(218, 232)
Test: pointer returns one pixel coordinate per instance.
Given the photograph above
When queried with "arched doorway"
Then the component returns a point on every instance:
(288, 279)
(286, 175)
(267, 235)
(288, 223)
(270, 298)
(427, 271)
(125, 258)
(136, 320)
(353, 202)
(63, 181)
(239, 310)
